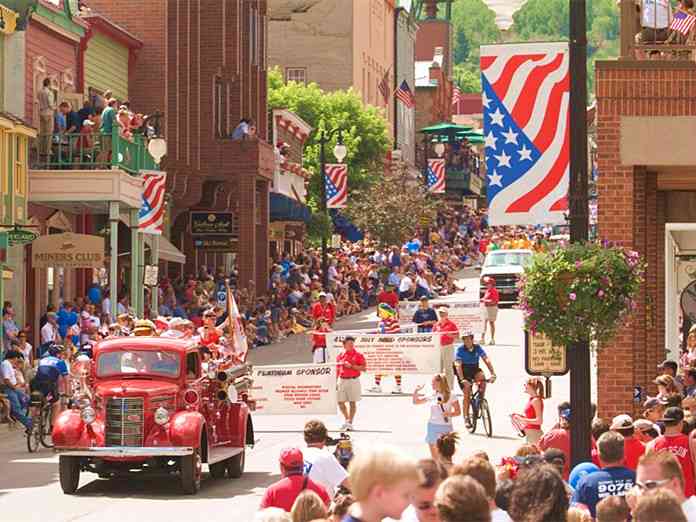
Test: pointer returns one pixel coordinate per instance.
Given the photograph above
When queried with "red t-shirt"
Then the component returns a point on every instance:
(319, 339)
(283, 493)
(391, 298)
(633, 450)
(530, 413)
(446, 326)
(483, 246)
(559, 439)
(353, 357)
(678, 445)
(491, 297)
(326, 311)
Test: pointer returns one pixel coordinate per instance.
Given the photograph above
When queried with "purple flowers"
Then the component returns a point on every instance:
(578, 264)
(572, 296)
(600, 293)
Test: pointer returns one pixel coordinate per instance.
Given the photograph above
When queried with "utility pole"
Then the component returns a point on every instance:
(579, 353)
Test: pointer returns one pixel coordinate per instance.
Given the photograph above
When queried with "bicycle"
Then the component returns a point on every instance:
(479, 409)
(42, 426)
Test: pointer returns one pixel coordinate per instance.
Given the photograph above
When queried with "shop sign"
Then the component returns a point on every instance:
(294, 231)
(216, 244)
(68, 250)
(19, 236)
(475, 184)
(543, 358)
(151, 276)
(212, 223)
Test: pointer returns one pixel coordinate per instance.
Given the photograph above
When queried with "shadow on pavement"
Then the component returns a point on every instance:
(497, 437)
(26, 470)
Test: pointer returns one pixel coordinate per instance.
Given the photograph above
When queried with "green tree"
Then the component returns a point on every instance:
(365, 131)
(467, 77)
(474, 24)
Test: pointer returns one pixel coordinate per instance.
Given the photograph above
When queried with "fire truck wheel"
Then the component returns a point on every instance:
(235, 465)
(191, 471)
(217, 470)
(69, 471)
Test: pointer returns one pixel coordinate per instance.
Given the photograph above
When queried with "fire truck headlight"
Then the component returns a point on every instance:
(88, 415)
(161, 416)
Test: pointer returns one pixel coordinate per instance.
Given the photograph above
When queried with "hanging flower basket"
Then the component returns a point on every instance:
(580, 292)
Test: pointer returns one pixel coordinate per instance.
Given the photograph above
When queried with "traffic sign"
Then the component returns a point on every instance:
(19, 236)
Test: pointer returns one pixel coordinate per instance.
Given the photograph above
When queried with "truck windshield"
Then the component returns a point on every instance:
(166, 364)
(503, 258)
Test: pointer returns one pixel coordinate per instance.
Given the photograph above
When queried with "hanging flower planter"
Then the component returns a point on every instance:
(580, 292)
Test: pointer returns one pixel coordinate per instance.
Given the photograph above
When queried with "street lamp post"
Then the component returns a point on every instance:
(157, 147)
(339, 152)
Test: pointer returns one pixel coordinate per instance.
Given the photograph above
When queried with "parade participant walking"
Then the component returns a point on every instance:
(351, 364)
(466, 361)
(388, 324)
(449, 333)
(532, 419)
(324, 308)
(443, 407)
(283, 493)
(319, 352)
(425, 317)
(319, 464)
(489, 306)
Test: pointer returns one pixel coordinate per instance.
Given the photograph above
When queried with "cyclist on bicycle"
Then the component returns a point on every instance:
(467, 370)
(51, 375)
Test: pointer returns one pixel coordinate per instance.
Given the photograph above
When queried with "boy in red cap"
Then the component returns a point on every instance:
(283, 493)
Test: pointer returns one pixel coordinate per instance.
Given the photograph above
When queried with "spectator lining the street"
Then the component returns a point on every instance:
(462, 499)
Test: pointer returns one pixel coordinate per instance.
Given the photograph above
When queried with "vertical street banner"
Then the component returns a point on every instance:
(294, 389)
(526, 99)
(392, 354)
(151, 214)
(436, 176)
(466, 315)
(336, 181)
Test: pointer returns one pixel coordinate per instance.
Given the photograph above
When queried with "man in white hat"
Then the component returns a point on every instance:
(633, 448)
(448, 333)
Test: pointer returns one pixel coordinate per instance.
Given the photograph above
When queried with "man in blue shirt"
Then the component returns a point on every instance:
(612, 479)
(67, 317)
(467, 370)
(50, 376)
(425, 317)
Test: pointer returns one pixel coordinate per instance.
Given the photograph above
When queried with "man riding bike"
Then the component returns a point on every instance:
(466, 367)
(51, 374)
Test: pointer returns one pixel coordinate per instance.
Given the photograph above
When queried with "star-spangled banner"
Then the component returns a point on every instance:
(436, 176)
(151, 214)
(336, 181)
(526, 91)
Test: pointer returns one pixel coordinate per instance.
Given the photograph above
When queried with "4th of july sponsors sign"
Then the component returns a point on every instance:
(465, 314)
(305, 389)
(387, 354)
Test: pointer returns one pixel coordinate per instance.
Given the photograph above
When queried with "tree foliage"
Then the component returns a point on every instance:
(467, 77)
(365, 131)
(474, 24)
(379, 209)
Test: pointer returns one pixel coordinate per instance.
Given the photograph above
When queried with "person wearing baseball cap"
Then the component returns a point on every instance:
(283, 493)
(350, 364)
(633, 448)
(324, 308)
(674, 441)
(448, 334)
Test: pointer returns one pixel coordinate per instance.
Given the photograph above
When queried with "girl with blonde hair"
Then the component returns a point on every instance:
(308, 506)
(443, 407)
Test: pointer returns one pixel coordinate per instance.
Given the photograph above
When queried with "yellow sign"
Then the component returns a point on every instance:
(9, 19)
(68, 250)
(542, 357)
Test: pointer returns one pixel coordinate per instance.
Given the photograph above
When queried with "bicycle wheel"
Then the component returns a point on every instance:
(34, 436)
(46, 426)
(473, 415)
(486, 418)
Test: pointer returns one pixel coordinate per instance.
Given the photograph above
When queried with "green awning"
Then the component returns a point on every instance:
(444, 128)
(476, 140)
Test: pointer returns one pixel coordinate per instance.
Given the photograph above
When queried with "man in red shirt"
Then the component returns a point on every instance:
(489, 304)
(449, 332)
(633, 448)
(283, 493)
(676, 443)
(350, 363)
(323, 308)
(559, 438)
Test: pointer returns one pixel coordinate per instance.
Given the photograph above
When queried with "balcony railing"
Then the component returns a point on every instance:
(92, 152)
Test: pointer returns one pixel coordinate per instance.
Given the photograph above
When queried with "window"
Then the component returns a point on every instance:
(220, 115)
(193, 366)
(20, 171)
(296, 74)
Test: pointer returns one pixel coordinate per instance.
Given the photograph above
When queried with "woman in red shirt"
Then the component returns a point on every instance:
(533, 418)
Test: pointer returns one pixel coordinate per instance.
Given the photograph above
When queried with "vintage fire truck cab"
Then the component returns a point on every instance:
(150, 406)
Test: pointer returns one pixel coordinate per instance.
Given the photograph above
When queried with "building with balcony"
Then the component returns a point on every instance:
(206, 70)
(645, 124)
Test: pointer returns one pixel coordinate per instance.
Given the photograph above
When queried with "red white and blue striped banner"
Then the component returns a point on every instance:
(151, 215)
(336, 185)
(436, 176)
(526, 94)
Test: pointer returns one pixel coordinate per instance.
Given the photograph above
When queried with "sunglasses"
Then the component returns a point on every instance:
(648, 485)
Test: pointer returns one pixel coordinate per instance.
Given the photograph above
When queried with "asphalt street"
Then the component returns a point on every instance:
(28, 482)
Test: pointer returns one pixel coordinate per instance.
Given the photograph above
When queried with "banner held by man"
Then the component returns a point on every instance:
(295, 389)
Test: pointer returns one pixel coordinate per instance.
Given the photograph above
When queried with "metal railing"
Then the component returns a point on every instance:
(91, 152)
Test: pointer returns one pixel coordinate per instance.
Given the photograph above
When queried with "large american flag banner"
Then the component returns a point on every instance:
(151, 215)
(435, 176)
(336, 185)
(525, 106)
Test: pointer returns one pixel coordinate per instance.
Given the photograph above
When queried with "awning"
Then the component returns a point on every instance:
(167, 251)
(283, 208)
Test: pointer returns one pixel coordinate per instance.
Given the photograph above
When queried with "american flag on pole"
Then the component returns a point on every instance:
(336, 185)
(151, 215)
(404, 94)
(682, 22)
(235, 327)
(525, 106)
(436, 176)
(383, 86)
(456, 95)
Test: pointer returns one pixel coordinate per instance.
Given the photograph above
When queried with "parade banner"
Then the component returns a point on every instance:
(294, 389)
(392, 354)
(465, 314)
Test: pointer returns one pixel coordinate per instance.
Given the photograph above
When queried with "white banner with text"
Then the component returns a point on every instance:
(465, 314)
(295, 389)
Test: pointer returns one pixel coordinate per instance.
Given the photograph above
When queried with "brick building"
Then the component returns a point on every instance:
(647, 201)
(206, 70)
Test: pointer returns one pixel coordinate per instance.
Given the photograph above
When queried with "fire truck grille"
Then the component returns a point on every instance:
(124, 421)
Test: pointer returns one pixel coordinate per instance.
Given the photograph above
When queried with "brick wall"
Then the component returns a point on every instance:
(631, 212)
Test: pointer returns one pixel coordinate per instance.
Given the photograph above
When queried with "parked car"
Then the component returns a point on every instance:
(149, 407)
(506, 267)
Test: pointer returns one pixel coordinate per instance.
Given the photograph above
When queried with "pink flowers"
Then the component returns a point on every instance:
(572, 296)
(600, 293)
(578, 264)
